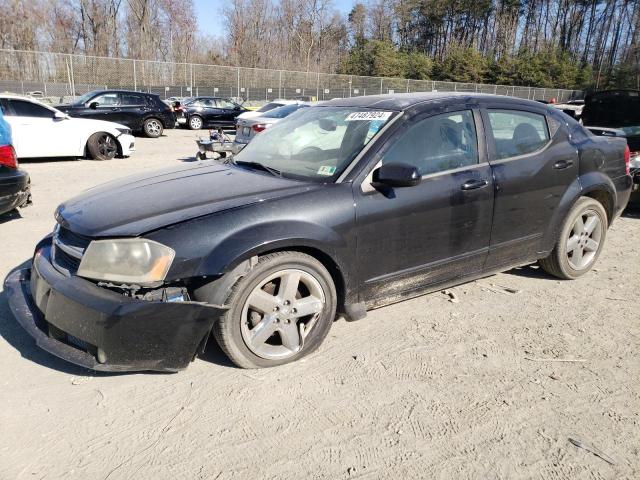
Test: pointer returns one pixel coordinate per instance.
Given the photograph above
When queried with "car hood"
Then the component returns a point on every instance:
(136, 205)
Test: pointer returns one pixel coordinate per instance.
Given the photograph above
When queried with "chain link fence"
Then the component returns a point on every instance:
(59, 77)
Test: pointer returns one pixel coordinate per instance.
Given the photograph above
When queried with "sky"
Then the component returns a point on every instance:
(209, 14)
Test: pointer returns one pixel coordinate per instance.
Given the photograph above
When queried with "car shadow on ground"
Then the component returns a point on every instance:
(532, 270)
(15, 336)
(11, 215)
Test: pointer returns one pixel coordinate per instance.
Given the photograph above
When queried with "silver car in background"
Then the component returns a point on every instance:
(247, 128)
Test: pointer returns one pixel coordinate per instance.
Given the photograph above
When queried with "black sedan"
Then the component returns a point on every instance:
(143, 113)
(210, 112)
(335, 210)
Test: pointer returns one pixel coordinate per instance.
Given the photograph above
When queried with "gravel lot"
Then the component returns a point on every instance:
(427, 388)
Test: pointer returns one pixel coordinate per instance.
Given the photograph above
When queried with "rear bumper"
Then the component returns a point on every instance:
(236, 146)
(99, 329)
(15, 190)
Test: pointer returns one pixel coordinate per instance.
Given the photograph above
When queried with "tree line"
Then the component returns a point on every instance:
(542, 43)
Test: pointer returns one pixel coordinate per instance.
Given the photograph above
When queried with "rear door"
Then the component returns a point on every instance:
(133, 108)
(410, 238)
(533, 165)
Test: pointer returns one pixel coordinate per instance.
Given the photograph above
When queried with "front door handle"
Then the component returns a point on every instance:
(562, 164)
(474, 184)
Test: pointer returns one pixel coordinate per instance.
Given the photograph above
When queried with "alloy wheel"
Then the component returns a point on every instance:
(280, 312)
(195, 123)
(153, 128)
(107, 146)
(584, 240)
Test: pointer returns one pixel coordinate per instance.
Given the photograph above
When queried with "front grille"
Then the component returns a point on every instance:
(67, 251)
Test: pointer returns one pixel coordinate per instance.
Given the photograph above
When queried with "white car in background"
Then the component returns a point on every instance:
(265, 108)
(42, 131)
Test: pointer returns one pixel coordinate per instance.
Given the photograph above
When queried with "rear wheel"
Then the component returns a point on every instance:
(195, 122)
(580, 242)
(102, 146)
(152, 127)
(281, 311)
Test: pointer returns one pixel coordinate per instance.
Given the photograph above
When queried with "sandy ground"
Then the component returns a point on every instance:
(422, 389)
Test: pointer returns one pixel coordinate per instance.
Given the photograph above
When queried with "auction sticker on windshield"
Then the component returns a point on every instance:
(368, 116)
(328, 171)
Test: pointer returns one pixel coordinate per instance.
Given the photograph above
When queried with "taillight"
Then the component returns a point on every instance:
(8, 156)
(258, 127)
(627, 159)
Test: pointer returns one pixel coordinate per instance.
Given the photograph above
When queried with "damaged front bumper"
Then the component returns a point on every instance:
(103, 330)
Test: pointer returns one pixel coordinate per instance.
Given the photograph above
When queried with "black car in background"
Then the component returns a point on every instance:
(616, 113)
(339, 208)
(212, 112)
(142, 112)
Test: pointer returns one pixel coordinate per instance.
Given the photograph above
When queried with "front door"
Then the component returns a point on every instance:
(413, 237)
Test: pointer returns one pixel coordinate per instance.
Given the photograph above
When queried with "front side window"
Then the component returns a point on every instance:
(107, 100)
(315, 143)
(222, 103)
(436, 144)
(22, 108)
(518, 133)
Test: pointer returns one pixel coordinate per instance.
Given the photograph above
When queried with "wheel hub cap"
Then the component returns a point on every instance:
(280, 312)
(584, 240)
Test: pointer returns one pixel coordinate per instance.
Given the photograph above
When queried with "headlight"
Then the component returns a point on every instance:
(128, 260)
(124, 131)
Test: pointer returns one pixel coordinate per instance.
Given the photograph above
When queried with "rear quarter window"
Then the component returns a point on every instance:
(517, 132)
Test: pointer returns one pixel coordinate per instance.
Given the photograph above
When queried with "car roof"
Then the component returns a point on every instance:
(14, 96)
(122, 91)
(404, 101)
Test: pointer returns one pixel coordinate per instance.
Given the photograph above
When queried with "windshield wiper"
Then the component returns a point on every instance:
(273, 171)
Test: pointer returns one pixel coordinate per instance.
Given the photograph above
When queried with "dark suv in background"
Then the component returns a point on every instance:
(142, 112)
(202, 112)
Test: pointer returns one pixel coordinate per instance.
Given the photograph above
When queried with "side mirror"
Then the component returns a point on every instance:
(60, 116)
(93, 105)
(396, 175)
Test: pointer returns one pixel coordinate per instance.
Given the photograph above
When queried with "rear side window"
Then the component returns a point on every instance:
(517, 133)
(436, 144)
(132, 99)
(22, 108)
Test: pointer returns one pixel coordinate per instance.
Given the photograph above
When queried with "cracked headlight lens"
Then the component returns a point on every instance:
(127, 260)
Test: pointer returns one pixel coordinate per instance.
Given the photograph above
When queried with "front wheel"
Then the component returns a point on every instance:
(279, 312)
(102, 146)
(152, 127)
(580, 242)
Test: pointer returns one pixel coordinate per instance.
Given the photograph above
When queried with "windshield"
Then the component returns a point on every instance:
(84, 98)
(282, 112)
(269, 106)
(315, 143)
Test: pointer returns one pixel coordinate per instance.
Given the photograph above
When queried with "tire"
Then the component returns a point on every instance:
(315, 291)
(575, 252)
(201, 156)
(195, 122)
(152, 127)
(102, 146)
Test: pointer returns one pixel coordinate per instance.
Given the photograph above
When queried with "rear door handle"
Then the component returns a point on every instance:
(474, 184)
(562, 164)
